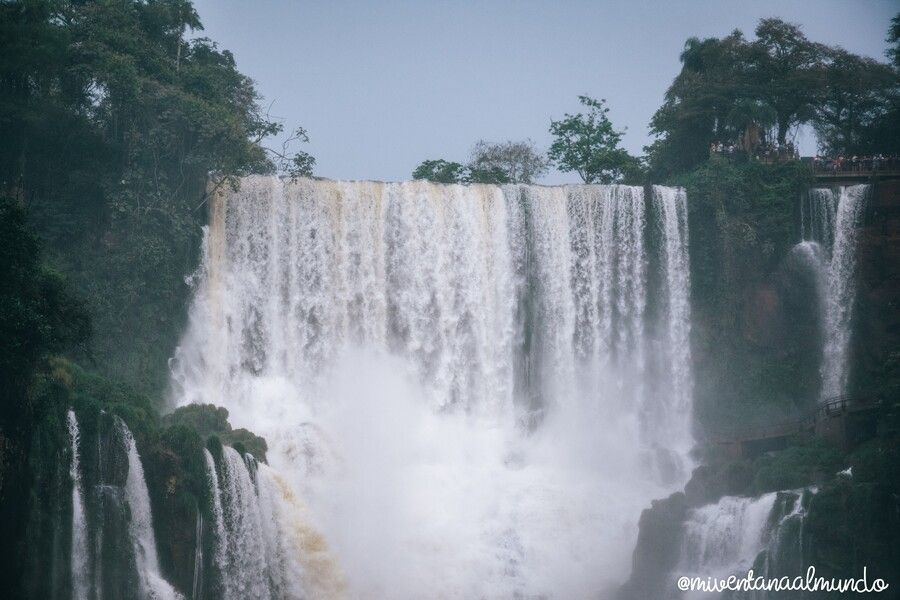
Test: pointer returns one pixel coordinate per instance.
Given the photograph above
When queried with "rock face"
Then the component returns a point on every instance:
(658, 548)
(875, 350)
(839, 523)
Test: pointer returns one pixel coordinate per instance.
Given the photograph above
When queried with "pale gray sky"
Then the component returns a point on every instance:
(381, 86)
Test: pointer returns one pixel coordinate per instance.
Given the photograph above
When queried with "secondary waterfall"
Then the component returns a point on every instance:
(738, 533)
(80, 562)
(140, 525)
(671, 207)
(831, 218)
(262, 544)
(474, 389)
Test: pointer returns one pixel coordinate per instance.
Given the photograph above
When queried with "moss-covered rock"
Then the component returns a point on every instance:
(813, 462)
(210, 420)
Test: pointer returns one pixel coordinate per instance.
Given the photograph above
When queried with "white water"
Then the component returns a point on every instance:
(671, 207)
(244, 572)
(197, 584)
(455, 379)
(140, 526)
(80, 562)
(729, 537)
(832, 219)
(262, 546)
(724, 538)
(221, 537)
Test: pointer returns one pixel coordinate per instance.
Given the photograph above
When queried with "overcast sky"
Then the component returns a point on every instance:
(381, 86)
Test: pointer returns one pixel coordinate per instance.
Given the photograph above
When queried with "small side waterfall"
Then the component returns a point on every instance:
(245, 573)
(831, 218)
(197, 585)
(737, 534)
(80, 560)
(140, 525)
(220, 539)
(725, 538)
(671, 208)
(264, 548)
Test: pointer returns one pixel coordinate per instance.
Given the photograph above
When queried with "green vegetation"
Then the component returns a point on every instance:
(755, 338)
(750, 92)
(210, 421)
(440, 171)
(588, 144)
(114, 116)
(508, 162)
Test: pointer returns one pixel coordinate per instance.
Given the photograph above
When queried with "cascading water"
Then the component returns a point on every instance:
(244, 573)
(221, 537)
(671, 207)
(262, 549)
(140, 525)
(80, 561)
(738, 533)
(464, 383)
(197, 584)
(831, 219)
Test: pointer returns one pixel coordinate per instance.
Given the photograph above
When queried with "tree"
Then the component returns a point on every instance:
(507, 162)
(39, 313)
(588, 144)
(114, 116)
(893, 39)
(703, 104)
(297, 164)
(440, 171)
(742, 92)
(788, 73)
(858, 113)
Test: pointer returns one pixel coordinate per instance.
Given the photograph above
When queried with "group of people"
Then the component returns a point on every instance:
(763, 151)
(778, 151)
(876, 162)
(769, 153)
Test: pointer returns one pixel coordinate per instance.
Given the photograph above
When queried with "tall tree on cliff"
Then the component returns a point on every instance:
(787, 73)
(715, 77)
(859, 112)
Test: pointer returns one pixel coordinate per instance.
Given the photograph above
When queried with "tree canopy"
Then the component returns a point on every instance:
(113, 119)
(774, 83)
(506, 162)
(513, 162)
(440, 171)
(588, 144)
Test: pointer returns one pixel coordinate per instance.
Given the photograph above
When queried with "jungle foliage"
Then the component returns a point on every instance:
(113, 116)
(774, 83)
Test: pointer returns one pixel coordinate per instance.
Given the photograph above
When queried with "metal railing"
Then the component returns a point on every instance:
(830, 407)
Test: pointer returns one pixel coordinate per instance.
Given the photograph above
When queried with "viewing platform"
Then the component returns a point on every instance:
(843, 420)
(853, 171)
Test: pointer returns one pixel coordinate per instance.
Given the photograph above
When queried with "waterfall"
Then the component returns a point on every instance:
(831, 218)
(80, 561)
(140, 526)
(197, 584)
(739, 533)
(221, 539)
(261, 542)
(671, 206)
(464, 388)
(244, 572)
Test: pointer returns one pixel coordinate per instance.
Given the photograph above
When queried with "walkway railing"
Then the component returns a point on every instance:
(831, 407)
